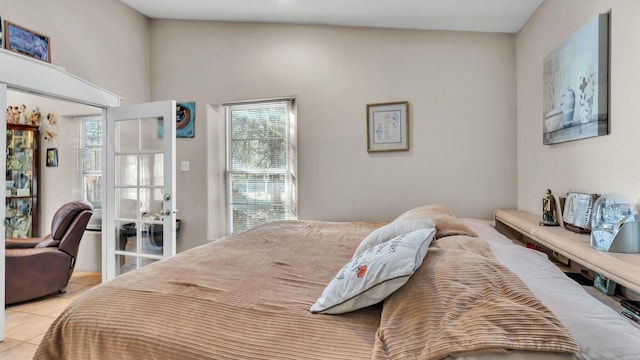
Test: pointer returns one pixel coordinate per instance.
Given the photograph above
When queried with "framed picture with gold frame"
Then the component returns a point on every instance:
(24, 41)
(388, 126)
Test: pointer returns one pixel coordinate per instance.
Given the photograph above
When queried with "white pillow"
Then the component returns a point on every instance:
(375, 274)
(390, 231)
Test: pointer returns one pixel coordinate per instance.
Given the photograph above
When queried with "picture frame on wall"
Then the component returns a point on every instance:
(576, 85)
(185, 120)
(52, 157)
(27, 42)
(388, 126)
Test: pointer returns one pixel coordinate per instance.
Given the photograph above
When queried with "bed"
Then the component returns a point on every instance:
(261, 294)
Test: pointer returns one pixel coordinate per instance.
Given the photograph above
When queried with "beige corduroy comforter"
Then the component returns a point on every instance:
(462, 300)
(242, 297)
(248, 297)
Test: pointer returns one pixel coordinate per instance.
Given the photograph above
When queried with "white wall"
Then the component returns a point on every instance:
(606, 164)
(460, 87)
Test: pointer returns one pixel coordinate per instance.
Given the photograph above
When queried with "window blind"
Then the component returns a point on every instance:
(261, 165)
(89, 155)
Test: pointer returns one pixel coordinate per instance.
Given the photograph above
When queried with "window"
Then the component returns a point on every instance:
(261, 163)
(90, 159)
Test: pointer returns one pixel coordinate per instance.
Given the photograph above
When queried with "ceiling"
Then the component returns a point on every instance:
(461, 15)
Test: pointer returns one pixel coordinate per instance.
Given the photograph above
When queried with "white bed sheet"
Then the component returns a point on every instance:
(601, 332)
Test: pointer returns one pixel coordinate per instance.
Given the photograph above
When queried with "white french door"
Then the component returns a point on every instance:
(139, 214)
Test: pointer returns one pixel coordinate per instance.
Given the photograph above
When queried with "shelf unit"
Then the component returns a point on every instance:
(624, 269)
(21, 179)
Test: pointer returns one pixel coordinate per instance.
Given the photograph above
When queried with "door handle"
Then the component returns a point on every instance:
(167, 212)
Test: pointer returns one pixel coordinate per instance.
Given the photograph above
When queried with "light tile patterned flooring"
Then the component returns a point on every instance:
(26, 323)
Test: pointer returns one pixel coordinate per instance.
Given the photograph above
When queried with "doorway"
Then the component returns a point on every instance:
(62, 182)
(42, 79)
(49, 81)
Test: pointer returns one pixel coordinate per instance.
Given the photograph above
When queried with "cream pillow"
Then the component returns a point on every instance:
(375, 274)
(390, 231)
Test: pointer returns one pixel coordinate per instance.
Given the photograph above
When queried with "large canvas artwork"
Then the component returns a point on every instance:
(576, 84)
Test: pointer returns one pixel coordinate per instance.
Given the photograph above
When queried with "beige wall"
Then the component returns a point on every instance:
(460, 87)
(606, 164)
(104, 42)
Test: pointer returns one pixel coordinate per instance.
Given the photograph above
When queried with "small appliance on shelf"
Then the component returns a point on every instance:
(615, 224)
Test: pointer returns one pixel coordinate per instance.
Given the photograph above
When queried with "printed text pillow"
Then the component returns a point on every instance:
(390, 231)
(375, 274)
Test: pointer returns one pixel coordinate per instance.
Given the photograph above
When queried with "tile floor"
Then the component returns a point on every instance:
(26, 323)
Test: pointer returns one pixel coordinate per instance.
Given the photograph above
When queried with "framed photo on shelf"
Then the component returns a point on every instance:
(52, 157)
(388, 126)
(24, 41)
(577, 212)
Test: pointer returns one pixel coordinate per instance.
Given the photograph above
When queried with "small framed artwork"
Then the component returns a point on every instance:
(27, 42)
(185, 120)
(52, 157)
(388, 126)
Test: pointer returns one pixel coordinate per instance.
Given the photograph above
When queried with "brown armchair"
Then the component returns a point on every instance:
(36, 267)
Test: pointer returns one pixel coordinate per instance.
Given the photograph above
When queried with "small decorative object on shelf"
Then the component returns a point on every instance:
(15, 115)
(23, 114)
(605, 285)
(34, 118)
(633, 306)
(550, 210)
(615, 224)
(631, 315)
(577, 212)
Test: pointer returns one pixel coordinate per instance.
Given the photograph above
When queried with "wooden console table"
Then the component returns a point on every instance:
(624, 269)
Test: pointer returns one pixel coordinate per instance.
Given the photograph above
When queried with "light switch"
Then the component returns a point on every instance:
(184, 165)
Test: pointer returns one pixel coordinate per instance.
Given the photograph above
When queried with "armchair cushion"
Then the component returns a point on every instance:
(65, 215)
(32, 273)
(22, 243)
(48, 242)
